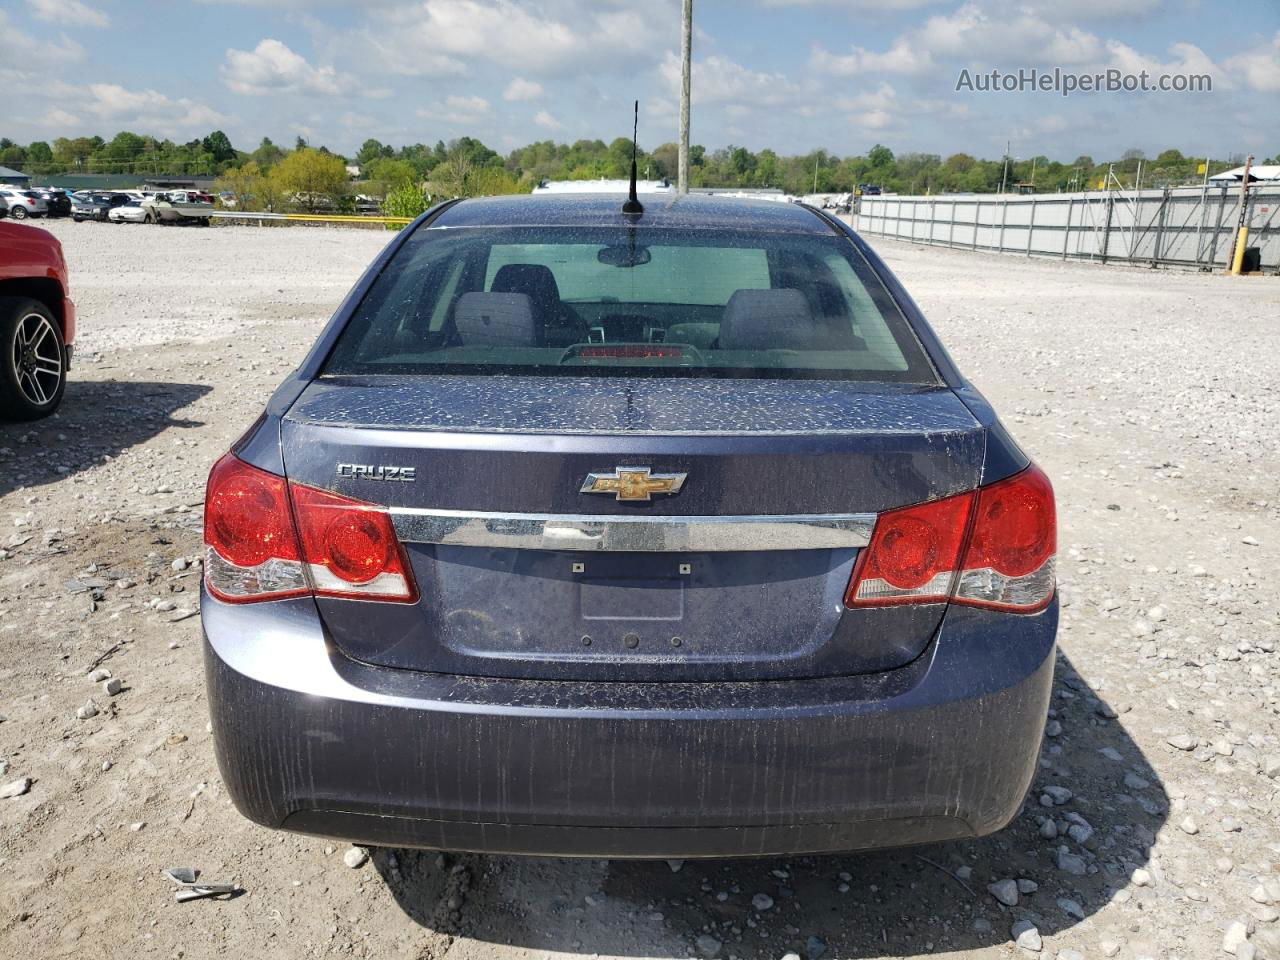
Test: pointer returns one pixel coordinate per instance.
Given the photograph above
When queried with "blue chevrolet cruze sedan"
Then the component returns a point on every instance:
(661, 533)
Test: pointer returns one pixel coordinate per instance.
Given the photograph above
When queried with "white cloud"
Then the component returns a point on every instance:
(272, 68)
(718, 79)
(73, 13)
(444, 37)
(468, 104)
(1079, 10)
(522, 89)
(65, 50)
(1009, 34)
(876, 6)
(458, 110)
(17, 46)
(1259, 68)
(901, 57)
(978, 32)
(543, 119)
(59, 119)
(1187, 59)
(1075, 11)
(147, 108)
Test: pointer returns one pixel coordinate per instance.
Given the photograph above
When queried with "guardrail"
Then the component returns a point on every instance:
(305, 217)
(1177, 227)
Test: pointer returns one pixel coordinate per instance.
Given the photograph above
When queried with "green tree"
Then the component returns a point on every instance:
(313, 179)
(245, 182)
(880, 157)
(218, 145)
(267, 154)
(384, 174)
(372, 150)
(406, 200)
(39, 153)
(124, 147)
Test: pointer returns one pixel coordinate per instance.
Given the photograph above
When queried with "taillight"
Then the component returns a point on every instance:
(1009, 563)
(266, 539)
(993, 547)
(913, 554)
(350, 547)
(251, 548)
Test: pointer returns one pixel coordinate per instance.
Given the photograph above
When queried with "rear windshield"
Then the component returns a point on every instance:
(629, 301)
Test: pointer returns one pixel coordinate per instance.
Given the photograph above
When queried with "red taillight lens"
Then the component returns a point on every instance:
(1009, 564)
(913, 554)
(350, 547)
(921, 554)
(251, 550)
(256, 551)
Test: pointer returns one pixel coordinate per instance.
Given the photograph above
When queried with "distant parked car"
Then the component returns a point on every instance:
(96, 206)
(57, 200)
(23, 203)
(131, 211)
(37, 322)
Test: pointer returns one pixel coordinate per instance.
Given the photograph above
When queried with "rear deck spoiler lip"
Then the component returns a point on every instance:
(640, 534)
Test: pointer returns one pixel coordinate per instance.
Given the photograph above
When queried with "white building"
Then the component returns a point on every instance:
(1261, 173)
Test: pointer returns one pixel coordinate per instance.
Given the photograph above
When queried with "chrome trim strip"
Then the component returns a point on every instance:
(547, 531)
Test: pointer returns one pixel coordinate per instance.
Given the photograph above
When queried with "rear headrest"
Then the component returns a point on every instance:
(767, 320)
(534, 279)
(496, 320)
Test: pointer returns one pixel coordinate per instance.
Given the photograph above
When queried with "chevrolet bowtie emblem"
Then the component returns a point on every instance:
(633, 483)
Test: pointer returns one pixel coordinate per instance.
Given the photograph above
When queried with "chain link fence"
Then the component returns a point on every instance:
(1186, 227)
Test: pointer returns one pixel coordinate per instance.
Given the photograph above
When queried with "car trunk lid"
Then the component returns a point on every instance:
(740, 574)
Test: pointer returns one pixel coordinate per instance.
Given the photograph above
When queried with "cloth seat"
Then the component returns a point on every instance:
(768, 320)
(496, 320)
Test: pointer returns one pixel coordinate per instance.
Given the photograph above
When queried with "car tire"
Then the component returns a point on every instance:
(18, 213)
(33, 360)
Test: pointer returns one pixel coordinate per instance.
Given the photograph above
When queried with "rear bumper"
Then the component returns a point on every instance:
(943, 748)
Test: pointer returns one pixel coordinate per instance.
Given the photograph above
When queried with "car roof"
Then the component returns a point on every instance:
(662, 211)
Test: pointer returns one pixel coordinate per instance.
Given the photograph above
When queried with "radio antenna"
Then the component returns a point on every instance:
(633, 207)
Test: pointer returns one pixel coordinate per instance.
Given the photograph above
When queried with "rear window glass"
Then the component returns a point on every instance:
(629, 301)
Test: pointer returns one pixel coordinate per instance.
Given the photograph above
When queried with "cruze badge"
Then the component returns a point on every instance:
(364, 471)
(633, 483)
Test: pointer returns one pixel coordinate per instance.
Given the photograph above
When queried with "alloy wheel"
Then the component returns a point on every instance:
(37, 360)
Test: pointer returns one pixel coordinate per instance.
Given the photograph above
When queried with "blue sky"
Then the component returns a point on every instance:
(788, 74)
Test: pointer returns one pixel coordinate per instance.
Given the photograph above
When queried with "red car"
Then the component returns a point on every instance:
(37, 323)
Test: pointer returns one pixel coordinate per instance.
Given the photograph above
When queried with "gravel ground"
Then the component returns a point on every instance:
(1152, 830)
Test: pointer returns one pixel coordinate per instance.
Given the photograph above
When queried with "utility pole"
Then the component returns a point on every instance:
(1004, 179)
(686, 68)
(817, 158)
(1236, 260)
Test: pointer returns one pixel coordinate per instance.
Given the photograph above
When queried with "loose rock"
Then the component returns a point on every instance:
(15, 789)
(1006, 891)
(1026, 936)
